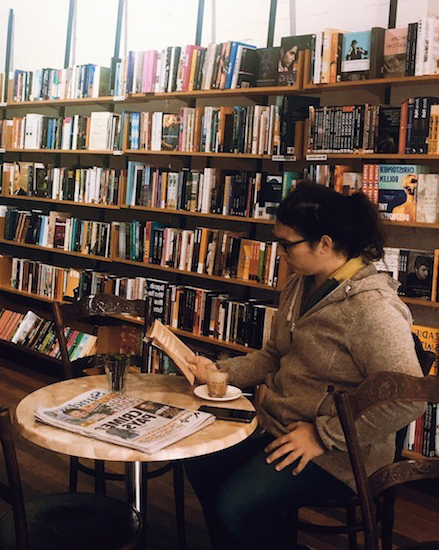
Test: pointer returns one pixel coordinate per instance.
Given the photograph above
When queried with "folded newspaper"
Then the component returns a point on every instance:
(167, 341)
(124, 419)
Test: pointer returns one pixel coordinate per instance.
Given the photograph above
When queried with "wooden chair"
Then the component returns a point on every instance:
(386, 511)
(67, 521)
(94, 309)
(378, 389)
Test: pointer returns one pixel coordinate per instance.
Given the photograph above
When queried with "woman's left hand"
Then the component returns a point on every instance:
(301, 442)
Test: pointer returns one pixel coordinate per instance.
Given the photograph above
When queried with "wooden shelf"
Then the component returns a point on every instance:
(29, 294)
(31, 351)
(61, 102)
(198, 214)
(371, 156)
(419, 302)
(55, 201)
(373, 82)
(234, 281)
(56, 250)
(196, 154)
(64, 151)
(415, 456)
(139, 98)
(412, 224)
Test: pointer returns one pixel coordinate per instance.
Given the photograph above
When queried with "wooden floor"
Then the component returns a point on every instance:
(44, 471)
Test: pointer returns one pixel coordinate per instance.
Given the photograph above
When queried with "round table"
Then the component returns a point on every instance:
(172, 390)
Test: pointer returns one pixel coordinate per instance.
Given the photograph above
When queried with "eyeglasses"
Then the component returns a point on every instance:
(286, 245)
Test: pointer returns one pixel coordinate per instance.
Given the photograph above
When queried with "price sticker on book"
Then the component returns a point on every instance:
(316, 157)
(283, 158)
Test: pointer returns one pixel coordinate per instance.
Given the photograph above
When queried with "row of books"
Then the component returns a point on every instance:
(58, 230)
(423, 433)
(231, 193)
(79, 81)
(390, 53)
(353, 129)
(257, 129)
(416, 270)
(99, 131)
(201, 250)
(412, 128)
(94, 185)
(45, 280)
(38, 334)
(200, 311)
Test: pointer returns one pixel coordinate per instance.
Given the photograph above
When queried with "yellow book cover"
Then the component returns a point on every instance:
(429, 337)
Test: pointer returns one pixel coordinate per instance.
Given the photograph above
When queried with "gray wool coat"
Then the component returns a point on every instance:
(360, 328)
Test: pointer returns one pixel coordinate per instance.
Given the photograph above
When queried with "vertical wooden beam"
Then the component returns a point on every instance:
(393, 9)
(200, 19)
(271, 23)
(70, 24)
(9, 49)
(115, 59)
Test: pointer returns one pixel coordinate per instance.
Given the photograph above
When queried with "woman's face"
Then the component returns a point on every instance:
(303, 258)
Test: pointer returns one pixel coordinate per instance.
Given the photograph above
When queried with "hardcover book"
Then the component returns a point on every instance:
(267, 66)
(389, 119)
(395, 47)
(427, 200)
(355, 63)
(397, 191)
(291, 46)
(170, 132)
(416, 273)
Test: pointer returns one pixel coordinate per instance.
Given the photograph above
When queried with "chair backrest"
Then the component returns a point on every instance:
(12, 491)
(378, 389)
(97, 305)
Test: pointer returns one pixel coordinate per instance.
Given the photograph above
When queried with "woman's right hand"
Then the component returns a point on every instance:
(198, 366)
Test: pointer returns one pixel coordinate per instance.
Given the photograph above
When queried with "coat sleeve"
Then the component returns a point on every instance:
(253, 368)
(378, 343)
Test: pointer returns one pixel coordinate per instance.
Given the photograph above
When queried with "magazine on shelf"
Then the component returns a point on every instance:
(124, 420)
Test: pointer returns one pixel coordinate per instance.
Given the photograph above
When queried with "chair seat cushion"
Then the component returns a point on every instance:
(74, 521)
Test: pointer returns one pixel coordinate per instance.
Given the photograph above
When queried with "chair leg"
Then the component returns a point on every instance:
(179, 504)
(100, 477)
(73, 474)
(387, 518)
(294, 518)
(350, 522)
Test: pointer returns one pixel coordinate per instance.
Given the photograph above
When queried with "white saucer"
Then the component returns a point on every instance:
(232, 393)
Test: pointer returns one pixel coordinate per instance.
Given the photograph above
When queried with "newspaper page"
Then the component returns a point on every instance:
(124, 420)
(167, 341)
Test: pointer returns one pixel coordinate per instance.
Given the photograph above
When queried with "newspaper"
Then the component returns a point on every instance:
(167, 341)
(124, 420)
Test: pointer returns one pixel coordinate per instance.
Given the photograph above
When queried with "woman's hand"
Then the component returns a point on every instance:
(198, 366)
(301, 442)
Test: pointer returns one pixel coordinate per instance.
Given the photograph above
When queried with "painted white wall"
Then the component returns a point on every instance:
(40, 25)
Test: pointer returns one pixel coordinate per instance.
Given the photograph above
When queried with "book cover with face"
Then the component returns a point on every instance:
(290, 47)
(355, 63)
(395, 46)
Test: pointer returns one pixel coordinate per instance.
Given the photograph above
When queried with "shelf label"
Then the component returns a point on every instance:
(3, 104)
(119, 98)
(284, 158)
(117, 152)
(2, 151)
(316, 157)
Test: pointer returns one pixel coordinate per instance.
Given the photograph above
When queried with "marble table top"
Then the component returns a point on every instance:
(172, 390)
